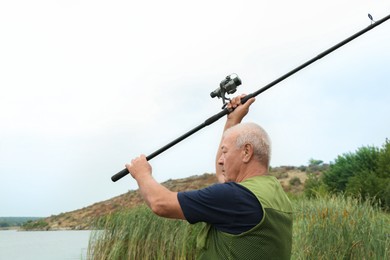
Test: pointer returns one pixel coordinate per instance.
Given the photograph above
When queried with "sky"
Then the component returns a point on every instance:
(85, 86)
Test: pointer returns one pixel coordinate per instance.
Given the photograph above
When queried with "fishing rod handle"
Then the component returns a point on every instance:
(120, 175)
(125, 171)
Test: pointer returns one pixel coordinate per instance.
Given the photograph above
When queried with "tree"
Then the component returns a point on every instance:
(384, 160)
(383, 173)
(348, 165)
(365, 173)
(314, 162)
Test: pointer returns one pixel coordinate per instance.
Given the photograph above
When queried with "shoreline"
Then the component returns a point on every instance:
(10, 228)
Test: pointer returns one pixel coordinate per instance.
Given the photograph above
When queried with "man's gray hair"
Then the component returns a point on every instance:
(251, 133)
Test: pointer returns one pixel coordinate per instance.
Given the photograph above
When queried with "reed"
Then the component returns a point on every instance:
(139, 234)
(338, 227)
(328, 227)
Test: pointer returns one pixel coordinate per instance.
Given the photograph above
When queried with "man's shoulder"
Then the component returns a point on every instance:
(264, 181)
(229, 207)
(218, 190)
(269, 192)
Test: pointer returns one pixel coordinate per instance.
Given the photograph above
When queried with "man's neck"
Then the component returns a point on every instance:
(252, 170)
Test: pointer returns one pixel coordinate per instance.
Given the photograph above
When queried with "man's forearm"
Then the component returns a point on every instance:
(162, 201)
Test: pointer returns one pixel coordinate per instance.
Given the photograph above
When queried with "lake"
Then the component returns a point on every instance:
(43, 245)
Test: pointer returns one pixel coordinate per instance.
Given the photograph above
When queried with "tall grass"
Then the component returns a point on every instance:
(139, 234)
(333, 227)
(338, 227)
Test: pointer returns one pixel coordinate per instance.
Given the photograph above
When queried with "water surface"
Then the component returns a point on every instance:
(43, 245)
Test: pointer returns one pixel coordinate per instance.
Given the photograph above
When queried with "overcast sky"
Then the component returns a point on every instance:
(88, 85)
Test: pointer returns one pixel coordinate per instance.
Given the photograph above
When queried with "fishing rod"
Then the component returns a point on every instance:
(230, 84)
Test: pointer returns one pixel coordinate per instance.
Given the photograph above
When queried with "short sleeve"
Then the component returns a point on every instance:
(229, 207)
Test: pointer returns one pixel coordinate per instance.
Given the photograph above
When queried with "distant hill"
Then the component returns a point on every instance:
(12, 222)
(82, 218)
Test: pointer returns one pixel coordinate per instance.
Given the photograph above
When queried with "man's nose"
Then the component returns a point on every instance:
(220, 160)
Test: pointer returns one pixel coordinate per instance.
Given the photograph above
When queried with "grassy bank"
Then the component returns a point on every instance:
(139, 234)
(339, 228)
(324, 228)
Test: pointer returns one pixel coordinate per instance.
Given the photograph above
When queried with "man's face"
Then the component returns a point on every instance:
(231, 158)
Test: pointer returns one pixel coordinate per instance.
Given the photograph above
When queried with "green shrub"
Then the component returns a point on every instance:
(364, 174)
(314, 186)
(35, 225)
(295, 181)
(349, 165)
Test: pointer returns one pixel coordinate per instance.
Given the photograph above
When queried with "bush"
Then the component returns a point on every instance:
(295, 181)
(364, 174)
(383, 172)
(314, 186)
(35, 225)
(349, 165)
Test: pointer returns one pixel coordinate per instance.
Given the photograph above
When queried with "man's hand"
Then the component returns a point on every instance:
(139, 167)
(240, 111)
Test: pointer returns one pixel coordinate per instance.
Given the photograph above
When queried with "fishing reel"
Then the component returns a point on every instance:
(227, 86)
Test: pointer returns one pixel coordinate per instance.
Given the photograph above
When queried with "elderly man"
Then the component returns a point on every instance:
(248, 215)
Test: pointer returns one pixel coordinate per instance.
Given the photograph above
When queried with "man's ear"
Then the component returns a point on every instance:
(248, 152)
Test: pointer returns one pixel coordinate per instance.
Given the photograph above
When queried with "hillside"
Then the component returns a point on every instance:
(82, 218)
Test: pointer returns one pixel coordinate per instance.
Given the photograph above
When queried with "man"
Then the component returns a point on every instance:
(248, 215)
